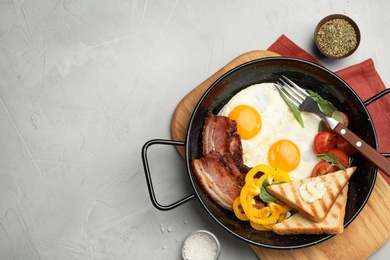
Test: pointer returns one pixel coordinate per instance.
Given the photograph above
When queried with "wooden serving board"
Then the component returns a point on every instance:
(363, 237)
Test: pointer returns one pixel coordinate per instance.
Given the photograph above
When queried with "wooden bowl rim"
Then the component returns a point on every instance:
(332, 17)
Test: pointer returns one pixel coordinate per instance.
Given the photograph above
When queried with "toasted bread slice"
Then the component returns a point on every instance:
(315, 211)
(332, 224)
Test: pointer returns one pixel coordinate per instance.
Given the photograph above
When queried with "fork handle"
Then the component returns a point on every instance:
(363, 148)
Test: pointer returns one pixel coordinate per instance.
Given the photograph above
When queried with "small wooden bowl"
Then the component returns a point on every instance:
(331, 51)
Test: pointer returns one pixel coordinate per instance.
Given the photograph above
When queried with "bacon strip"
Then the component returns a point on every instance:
(219, 136)
(219, 178)
(221, 171)
(217, 131)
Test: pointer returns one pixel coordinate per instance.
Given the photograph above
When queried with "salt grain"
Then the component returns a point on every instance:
(162, 228)
(201, 245)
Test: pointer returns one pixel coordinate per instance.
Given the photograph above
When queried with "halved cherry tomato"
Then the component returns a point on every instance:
(322, 168)
(340, 156)
(345, 146)
(345, 120)
(324, 141)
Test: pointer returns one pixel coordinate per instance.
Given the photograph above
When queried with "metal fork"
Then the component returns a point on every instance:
(301, 99)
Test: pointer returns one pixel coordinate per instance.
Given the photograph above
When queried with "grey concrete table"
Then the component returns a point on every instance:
(84, 84)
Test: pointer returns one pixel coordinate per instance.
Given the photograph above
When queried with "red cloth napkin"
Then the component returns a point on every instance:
(363, 78)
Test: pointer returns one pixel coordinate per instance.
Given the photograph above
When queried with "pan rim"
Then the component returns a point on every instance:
(321, 238)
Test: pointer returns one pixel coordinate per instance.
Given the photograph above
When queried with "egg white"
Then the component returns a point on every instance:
(278, 122)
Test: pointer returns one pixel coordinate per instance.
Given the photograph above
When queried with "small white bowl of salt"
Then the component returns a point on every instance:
(201, 245)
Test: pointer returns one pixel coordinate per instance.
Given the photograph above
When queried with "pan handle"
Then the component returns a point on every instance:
(152, 194)
(375, 98)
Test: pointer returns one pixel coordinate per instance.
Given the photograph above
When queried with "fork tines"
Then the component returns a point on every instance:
(291, 90)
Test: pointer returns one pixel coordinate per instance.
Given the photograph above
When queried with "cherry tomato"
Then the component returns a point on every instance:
(322, 168)
(343, 116)
(345, 146)
(324, 141)
(340, 156)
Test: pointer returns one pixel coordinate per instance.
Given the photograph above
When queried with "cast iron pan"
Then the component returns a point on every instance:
(307, 75)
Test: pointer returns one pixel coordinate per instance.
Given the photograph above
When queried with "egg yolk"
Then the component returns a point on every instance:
(248, 121)
(284, 154)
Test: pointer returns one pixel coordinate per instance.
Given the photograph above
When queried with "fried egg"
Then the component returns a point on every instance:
(270, 133)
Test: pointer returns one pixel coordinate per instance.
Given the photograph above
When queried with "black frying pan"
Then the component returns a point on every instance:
(307, 75)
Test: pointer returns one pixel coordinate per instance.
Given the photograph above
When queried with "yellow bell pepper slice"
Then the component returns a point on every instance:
(270, 217)
(261, 227)
(280, 175)
(238, 211)
(281, 217)
(250, 177)
(244, 206)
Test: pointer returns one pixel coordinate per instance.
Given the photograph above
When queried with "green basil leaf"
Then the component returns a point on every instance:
(330, 159)
(324, 105)
(294, 109)
(264, 195)
(337, 116)
(321, 126)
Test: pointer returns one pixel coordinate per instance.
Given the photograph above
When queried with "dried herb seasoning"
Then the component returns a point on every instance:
(337, 37)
